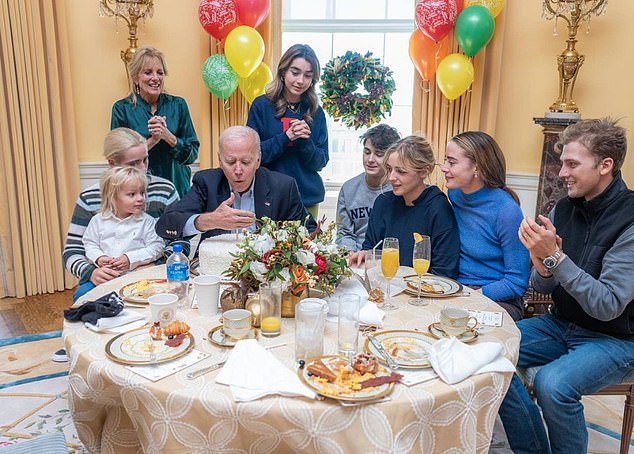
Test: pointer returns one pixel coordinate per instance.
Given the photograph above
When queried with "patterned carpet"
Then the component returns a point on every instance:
(33, 390)
(33, 397)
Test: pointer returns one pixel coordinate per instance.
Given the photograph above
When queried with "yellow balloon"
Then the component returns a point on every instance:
(454, 75)
(254, 85)
(494, 6)
(244, 49)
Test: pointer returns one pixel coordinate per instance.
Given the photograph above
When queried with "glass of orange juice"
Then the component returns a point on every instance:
(421, 259)
(389, 267)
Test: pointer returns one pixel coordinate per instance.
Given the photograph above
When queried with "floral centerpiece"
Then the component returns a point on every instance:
(287, 252)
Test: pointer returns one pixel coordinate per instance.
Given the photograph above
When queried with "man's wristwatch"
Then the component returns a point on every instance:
(552, 261)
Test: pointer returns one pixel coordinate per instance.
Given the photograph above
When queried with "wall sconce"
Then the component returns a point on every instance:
(130, 11)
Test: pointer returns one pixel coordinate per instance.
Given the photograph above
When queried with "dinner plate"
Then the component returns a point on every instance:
(443, 287)
(218, 337)
(138, 292)
(466, 337)
(338, 392)
(135, 347)
(410, 349)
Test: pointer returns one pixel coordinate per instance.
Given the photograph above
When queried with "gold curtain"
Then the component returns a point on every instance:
(439, 119)
(39, 156)
(235, 109)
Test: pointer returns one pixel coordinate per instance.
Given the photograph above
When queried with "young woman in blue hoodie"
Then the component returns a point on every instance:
(292, 125)
(413, 206)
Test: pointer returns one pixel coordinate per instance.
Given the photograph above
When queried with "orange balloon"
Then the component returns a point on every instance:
(425, 53)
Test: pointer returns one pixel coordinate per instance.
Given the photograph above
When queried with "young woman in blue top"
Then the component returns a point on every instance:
(163, 119)
(413, 206)
(492, 258)
(292, 125)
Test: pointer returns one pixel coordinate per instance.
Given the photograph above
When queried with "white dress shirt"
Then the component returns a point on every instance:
(133, 236)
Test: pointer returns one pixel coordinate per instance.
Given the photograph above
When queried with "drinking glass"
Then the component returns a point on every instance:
(389, 267)
(348, 324)
(421, 259)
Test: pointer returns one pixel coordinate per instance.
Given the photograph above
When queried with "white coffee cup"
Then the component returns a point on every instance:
(455, 321)
(163, 308)
(207, 290)
(237, 323)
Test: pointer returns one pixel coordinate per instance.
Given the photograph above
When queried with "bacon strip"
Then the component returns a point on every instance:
(378, 381)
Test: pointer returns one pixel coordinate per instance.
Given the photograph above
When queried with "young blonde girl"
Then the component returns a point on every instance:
(121, 236)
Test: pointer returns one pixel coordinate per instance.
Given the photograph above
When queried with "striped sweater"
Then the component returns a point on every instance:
(160, 195)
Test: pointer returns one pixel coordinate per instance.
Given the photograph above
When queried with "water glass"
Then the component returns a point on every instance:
(270, 308)
(310, 322)
(207, 289)
(348, 324)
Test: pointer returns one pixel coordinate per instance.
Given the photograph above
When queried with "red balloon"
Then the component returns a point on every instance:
(218, 17)
(426, 54)
(436, 18)
(252, 12)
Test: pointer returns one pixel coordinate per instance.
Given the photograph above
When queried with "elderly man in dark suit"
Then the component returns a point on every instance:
(234, 195)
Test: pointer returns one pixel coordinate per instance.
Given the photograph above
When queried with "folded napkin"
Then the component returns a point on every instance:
(125, 317)
(106, 306)
(369, 314)
(253, 372)
(454, 361)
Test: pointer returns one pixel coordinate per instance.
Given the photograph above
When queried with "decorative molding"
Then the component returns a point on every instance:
(89, 172)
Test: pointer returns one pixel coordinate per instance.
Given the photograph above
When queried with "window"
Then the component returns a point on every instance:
(331, 27)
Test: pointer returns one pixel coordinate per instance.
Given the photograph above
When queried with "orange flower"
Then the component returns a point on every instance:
(299, 274)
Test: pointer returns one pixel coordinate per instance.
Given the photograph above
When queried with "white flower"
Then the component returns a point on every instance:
(263, 244)
(303, 231)
(259, 270)
(282, 235)
(286, 275)
(305, 257)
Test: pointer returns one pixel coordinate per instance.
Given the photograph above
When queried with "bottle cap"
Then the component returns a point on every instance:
(178, 248)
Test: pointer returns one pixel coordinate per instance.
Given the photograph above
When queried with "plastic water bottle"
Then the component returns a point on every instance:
(178, 274)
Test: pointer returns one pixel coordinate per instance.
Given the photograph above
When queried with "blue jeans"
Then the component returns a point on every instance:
(576, 362)
(82, 290)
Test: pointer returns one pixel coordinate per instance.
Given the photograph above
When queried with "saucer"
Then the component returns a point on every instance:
(218, 337)
(466, 337)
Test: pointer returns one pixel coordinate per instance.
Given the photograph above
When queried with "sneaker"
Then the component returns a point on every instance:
(60, 356)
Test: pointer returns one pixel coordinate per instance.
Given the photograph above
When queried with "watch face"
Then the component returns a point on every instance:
(549, 262)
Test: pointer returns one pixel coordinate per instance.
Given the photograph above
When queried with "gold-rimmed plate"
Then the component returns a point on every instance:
(431, 286)
(137, 347)
(410, 349)
(138, 292)
(468, 336)
(338, 389)
(218, 337)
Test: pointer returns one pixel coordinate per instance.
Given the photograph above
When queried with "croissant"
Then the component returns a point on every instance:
(175, 328)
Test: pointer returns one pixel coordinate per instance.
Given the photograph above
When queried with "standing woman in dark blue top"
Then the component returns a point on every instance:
(161, 118)
(292, 125)
(413, 206)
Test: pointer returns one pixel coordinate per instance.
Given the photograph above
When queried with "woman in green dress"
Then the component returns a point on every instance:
(163, 119)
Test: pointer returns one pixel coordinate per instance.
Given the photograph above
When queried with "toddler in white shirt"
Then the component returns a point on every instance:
(121, 235)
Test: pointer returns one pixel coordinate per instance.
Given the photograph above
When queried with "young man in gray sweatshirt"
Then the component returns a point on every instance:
(357, 195)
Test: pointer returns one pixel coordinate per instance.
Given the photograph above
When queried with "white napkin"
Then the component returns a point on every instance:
(253, 372)
(369, 314)
(454, 361)
(126, 316)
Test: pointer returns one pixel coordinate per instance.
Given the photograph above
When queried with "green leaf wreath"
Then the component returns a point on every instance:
(339, 82)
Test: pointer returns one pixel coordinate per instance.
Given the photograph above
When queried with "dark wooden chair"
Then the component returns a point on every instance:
(539, 304)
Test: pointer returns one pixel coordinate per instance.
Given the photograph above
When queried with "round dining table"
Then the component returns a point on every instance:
(118, 411)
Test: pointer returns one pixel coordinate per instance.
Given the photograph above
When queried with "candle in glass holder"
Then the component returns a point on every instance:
(270, 308)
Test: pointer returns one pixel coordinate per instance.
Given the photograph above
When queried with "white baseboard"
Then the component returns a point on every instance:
(525, 184)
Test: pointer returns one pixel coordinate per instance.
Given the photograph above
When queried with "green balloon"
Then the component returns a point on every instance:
(474, 29)
(221, 80)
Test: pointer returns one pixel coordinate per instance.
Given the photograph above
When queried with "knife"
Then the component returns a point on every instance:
(204, 370)
(391, 363)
